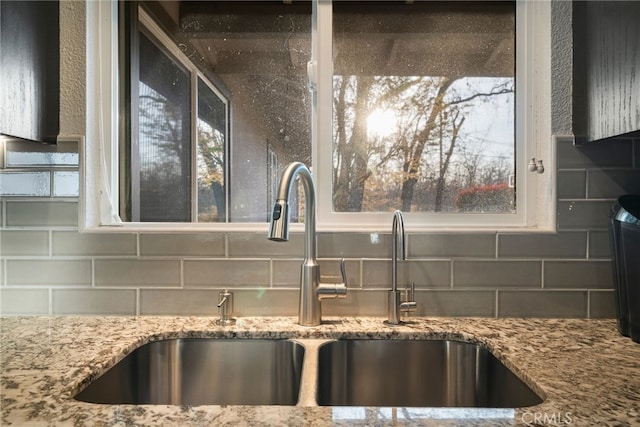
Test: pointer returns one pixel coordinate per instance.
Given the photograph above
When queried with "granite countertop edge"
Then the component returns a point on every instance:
(587, 373)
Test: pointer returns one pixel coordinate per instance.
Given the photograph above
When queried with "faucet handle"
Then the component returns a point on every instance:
(411, 292)
(334, 290)
(343, 271)
(409, 304)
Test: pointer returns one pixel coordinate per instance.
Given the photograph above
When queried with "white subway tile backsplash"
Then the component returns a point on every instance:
(452, 245)
(185, 245)
(286, 272)
(354, 245)
(330, 271)
(424, 273)
(572, 184)
(599, 244)
(542, 303)
(24, 243)
(365, 302)
(497, 274)
(66, 184)
(595, 155)
(455, 303)
(257, 245)
(41, 214)
(226, 273)
(179, 302)
(72, 243)
(48, 272)
(137, 272)
(203, 302)
(30, 302)
(613, 183)
(34, 158)
(601, 304)
(266, 302)
(583, 214)
(565, 244)
(117, 302)
(35, 184)
(48, 267)
(578, 274)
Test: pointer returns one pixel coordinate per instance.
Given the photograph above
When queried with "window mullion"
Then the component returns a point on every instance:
(194, 146)
(322, 111)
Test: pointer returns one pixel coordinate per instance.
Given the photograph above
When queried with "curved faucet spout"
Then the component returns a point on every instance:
(397, 233)
(311, 289)
(395, 304)
(279, 227)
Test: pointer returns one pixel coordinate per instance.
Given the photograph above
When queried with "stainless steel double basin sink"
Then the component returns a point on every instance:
(401, 373)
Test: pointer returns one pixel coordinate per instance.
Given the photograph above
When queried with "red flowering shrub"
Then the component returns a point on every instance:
(486, 198)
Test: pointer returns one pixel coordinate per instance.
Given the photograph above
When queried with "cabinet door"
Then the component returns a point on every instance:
(606, 69)
(29, 69)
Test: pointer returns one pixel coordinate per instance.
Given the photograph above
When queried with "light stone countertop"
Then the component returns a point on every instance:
(587, 373)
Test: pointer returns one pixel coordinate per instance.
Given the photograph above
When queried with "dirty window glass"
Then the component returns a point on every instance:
(424, 106)
(247, 66)
(164, 137)
(212, 158)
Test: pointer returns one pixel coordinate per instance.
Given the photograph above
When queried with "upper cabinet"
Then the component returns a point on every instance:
(606, 69)
(30, 69)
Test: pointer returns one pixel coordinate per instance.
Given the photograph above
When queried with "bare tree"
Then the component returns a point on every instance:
(431, 114)
(352, 151)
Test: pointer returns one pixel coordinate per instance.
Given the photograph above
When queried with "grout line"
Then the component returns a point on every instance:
(93, 272)
(138, 302)
(451, 281)
(271, 269)
(182, 272)
(586, 255)
(586, 183)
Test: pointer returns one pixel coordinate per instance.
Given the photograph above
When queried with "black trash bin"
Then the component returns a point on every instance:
(624, 231)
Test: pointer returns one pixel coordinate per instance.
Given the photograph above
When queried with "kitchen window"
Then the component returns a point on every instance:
(435, 108)
(175, 140)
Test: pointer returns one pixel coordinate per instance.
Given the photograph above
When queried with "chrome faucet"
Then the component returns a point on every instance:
(395, 303)
(312, 290)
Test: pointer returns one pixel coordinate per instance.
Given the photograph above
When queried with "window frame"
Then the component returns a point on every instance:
(143, 22)
(534, 94)
(535, 212)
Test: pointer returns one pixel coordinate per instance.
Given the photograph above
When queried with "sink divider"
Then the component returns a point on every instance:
(309, 380)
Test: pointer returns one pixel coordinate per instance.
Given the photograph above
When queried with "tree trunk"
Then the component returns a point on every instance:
(352, 152)
(412, 167)
(341, 172)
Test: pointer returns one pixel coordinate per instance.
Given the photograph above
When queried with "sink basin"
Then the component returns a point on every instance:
(412, 373)
(203, 372)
